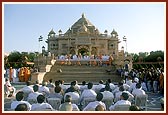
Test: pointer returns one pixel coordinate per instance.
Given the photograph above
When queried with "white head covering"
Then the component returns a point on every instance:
(136, 79)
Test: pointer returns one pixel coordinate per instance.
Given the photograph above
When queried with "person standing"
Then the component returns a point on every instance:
(11, 74)
(110, 60)
(161, 81)
(21, 75)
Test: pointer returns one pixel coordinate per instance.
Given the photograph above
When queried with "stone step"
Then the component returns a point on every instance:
(78, 70)
(82, 73)
(79, 67)
(79, 78)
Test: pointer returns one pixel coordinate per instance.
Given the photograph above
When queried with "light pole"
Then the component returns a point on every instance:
(39, 40)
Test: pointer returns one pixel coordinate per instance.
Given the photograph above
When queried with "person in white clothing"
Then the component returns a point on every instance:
(76, 84)
(143, 84)
(121, 90)
(50, 85)
(21, 107)
(28, 88)
(41, 105)
(88, 93)
(57, 94)
(74, 95)
(126, 86)
(64, 87)
(99, 86)
(133, 85)
(117, 88)
(83, 86)
(67, 105)
(43, 89)
(112, 86)
(19, 100)
(129, 81)
(92, 105)
(138, 91)
(119, 93)
(124, 101)
(107, 94)
(35, 94)
(9, 89)
(15, 76)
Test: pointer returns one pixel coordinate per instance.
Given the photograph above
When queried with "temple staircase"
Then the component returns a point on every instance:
(82, 73)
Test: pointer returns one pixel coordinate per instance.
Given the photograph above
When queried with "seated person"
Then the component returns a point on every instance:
(107, 94)
(73, 87)
(93, 105)
(44, 89)
(41, 104)
(99, 108)
(88, 93)
(124, 101)
(19, 99)
(67, 105)
(56, 94)
(9, 89)
(21, 107)
(34, 95)
(138, 91)
(83, 86)
(99, 86)
(73, 94)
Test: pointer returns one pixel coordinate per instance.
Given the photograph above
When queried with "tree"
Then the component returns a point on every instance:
(17, 59)
(154, 56)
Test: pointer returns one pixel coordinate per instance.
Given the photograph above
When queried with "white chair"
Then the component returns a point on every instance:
(32, 101)
(54, 102)
(26, 94)
(86, 101)
(44, 109)
(7, 105)
(75, 101)
(121, 108)
(108, 102)
(141, 101)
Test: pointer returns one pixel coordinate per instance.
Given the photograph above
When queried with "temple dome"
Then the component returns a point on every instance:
(114, 32)
(51, 32)
(81, 21)
(83, 28)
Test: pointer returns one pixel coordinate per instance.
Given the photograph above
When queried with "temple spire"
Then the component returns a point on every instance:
(83, 15)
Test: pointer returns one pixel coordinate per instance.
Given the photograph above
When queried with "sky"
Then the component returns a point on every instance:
(143, 24)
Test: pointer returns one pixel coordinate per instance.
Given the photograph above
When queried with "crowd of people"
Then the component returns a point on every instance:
(22, 74)
(89, 96)
(152, 78)
(92, 59)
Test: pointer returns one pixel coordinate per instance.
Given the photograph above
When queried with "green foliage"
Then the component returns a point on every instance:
(148, 57)
(154, 56)
(14, 57)
(17, 59)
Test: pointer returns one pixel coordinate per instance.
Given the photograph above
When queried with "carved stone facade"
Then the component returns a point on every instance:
(83, 38)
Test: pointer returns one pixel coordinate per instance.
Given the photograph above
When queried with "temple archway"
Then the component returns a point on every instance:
(83, 51)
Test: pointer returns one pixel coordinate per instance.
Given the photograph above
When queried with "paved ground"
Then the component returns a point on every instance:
(154, 101)
(152, 105)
